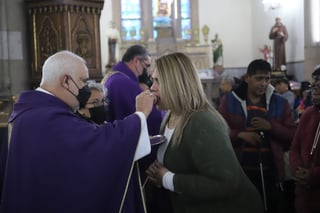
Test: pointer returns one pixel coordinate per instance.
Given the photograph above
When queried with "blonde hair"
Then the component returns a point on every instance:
(182, 90)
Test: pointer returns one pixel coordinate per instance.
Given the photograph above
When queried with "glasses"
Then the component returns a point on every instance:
(97, 102)
(146, 65)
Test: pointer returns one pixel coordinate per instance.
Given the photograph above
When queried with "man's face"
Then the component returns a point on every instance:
(258, 83)
(315, 86)
(79, 80)
(146, 63)
(281, 87)
(141, 64)
(225, 86)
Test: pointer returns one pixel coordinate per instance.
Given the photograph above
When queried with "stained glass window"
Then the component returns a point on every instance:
(165, 13)
(131, 19)
(185, 19)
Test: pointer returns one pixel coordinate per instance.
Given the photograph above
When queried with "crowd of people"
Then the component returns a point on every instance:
(76, 145)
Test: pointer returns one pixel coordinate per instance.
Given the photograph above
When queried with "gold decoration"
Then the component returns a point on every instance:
(205, 31)
(196, 35)
(142, 33)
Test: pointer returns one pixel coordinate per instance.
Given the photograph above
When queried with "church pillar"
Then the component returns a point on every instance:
(312, 49)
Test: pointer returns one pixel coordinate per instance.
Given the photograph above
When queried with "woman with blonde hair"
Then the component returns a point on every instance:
(197, 164)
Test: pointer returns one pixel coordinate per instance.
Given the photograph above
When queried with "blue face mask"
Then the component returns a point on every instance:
(83, 94)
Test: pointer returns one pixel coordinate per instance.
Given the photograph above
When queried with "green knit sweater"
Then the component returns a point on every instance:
(208, 177)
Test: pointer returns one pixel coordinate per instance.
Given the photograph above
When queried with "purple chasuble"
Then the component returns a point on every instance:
(123, 87)
(57, 162)
(122, 90)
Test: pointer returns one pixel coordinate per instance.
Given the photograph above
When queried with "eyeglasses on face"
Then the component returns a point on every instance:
(97, 102)
(145, 64)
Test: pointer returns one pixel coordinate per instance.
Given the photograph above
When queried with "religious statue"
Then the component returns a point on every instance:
(279, 35)
(267, 53)
(114, 42)
(217, 49)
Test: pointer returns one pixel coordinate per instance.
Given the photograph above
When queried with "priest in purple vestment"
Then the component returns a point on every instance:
(123, 86)
(57, 161)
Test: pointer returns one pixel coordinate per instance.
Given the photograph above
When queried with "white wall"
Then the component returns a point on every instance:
(292, 15)
(242, 25)
(231, 19)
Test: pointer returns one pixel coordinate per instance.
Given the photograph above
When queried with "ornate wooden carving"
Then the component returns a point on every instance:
(64, 24)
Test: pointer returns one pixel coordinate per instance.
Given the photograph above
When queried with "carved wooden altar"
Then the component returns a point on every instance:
(64, 24)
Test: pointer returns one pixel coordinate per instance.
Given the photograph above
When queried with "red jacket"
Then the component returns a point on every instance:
(307, 199)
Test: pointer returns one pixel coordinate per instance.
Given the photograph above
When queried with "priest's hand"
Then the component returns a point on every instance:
(144, 102)
(155, 173)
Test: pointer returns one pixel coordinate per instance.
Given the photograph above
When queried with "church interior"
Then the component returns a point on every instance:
(101, 30)
(56, 158)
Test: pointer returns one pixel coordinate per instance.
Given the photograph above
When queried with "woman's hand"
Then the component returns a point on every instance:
(155, 173)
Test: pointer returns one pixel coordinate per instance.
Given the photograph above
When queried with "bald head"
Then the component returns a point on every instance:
(59, 64)
(63, 74)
